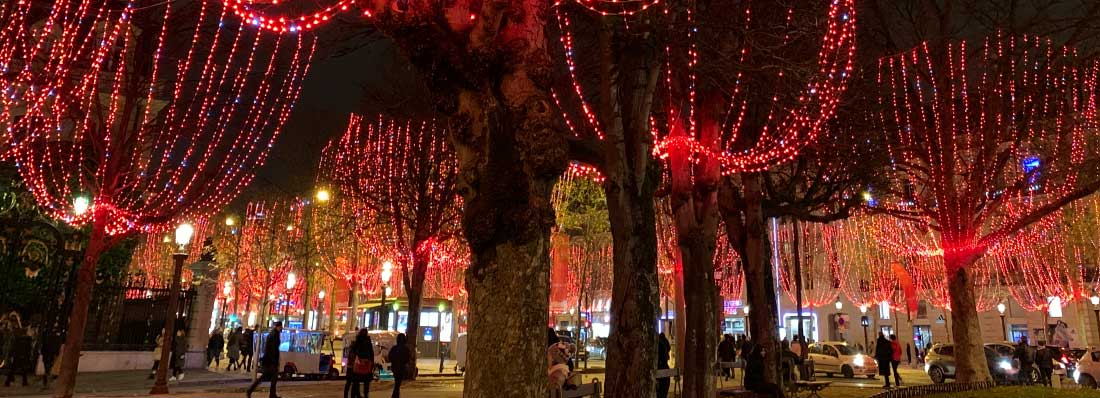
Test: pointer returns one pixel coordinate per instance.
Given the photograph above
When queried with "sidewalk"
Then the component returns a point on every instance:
(98, 382)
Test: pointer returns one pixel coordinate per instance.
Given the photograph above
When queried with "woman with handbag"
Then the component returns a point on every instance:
(360, 366)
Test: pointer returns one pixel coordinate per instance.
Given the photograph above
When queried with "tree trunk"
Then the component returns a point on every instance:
(631, 350)
(629, 72)
(970, 363)
(701, 336)
(332, 308)
(414, 289)
(680, 322)
(759, 276)
(78, 317)
(510, 160)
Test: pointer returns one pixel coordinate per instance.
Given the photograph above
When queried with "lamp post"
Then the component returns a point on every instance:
(291, 280)
(839, 307)
(439, 337)
(387, 272)
(183, 238)
(865, 322)
(1096, 311)
(226, 290)
(320, 309)
(1004, 328)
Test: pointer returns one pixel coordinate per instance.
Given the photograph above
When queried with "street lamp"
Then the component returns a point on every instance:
(230, 221)
(81, 204)
(323, 195)
(1096, 310)
(387, 272)
(291, 280)
(1004, 328)
(183, 238)
(839, 305)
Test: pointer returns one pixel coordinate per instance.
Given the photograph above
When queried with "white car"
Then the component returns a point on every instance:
(1087, 373)
(832, 357)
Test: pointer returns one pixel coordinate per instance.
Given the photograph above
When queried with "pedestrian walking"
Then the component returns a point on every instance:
(895, 346)
(156, 354)
(399, 363)
(1026, 356)
(1044, 359)
(21, 356)
(214, 348)
(247, 348)
(269, 361)
(179, 352)
(664, 349)
(727, 352)
(884, 354)
(909, 353)
(51, 347)
(233, 349)
(360, 366)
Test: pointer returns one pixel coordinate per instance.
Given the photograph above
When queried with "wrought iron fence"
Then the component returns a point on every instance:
(129, 317)
(925, 390)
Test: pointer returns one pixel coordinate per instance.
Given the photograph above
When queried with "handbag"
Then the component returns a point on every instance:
(363, 366)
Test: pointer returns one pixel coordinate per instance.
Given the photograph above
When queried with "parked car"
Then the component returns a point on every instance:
(939, 362)
(1087, 373)
(831, 357)
(596, 348)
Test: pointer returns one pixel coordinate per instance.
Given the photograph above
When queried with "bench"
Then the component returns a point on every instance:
(583, 390)
(673, 374)
(734, 389)
(814, 387)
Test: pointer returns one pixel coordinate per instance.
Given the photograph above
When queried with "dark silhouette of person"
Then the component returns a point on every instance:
(399, 363)
(269, 362)
(664, 349)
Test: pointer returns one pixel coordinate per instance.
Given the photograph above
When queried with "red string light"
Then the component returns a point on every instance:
(401, 175)
(151, 126)
(789, 126)
(984, 140)
(820, 282)
(265, 14)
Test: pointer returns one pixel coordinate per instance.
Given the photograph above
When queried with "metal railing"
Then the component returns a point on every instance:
(925, 390)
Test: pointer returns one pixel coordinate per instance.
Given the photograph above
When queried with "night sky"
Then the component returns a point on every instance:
(335, 87)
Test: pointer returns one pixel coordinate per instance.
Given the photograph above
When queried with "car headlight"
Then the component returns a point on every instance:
(858, 361)
(926, 367)
(1005, 365)
(1077, 376)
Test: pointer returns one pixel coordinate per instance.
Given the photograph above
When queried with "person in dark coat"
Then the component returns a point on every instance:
(51, 348)
(399, 363)
(884, 355)
(727, 352)
(179, 351)
(1026, 357)
(754, 374)
(233, 349)
(551, 337)
(1044, 359)
(361, 348)
(21, 355)
(214, 348)
(269, 362)
(664, 349)
(247, 350)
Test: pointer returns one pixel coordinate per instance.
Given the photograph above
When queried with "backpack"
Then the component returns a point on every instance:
(363, 366)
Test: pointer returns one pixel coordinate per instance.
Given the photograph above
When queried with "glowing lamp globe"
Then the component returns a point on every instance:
(229, 221)
(321, 295)
(839, 306)
(387, 271)
(1095, 300)
(323, 195)
(1001, 308)
(81, 205)
(184, 232)
(291, 280)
